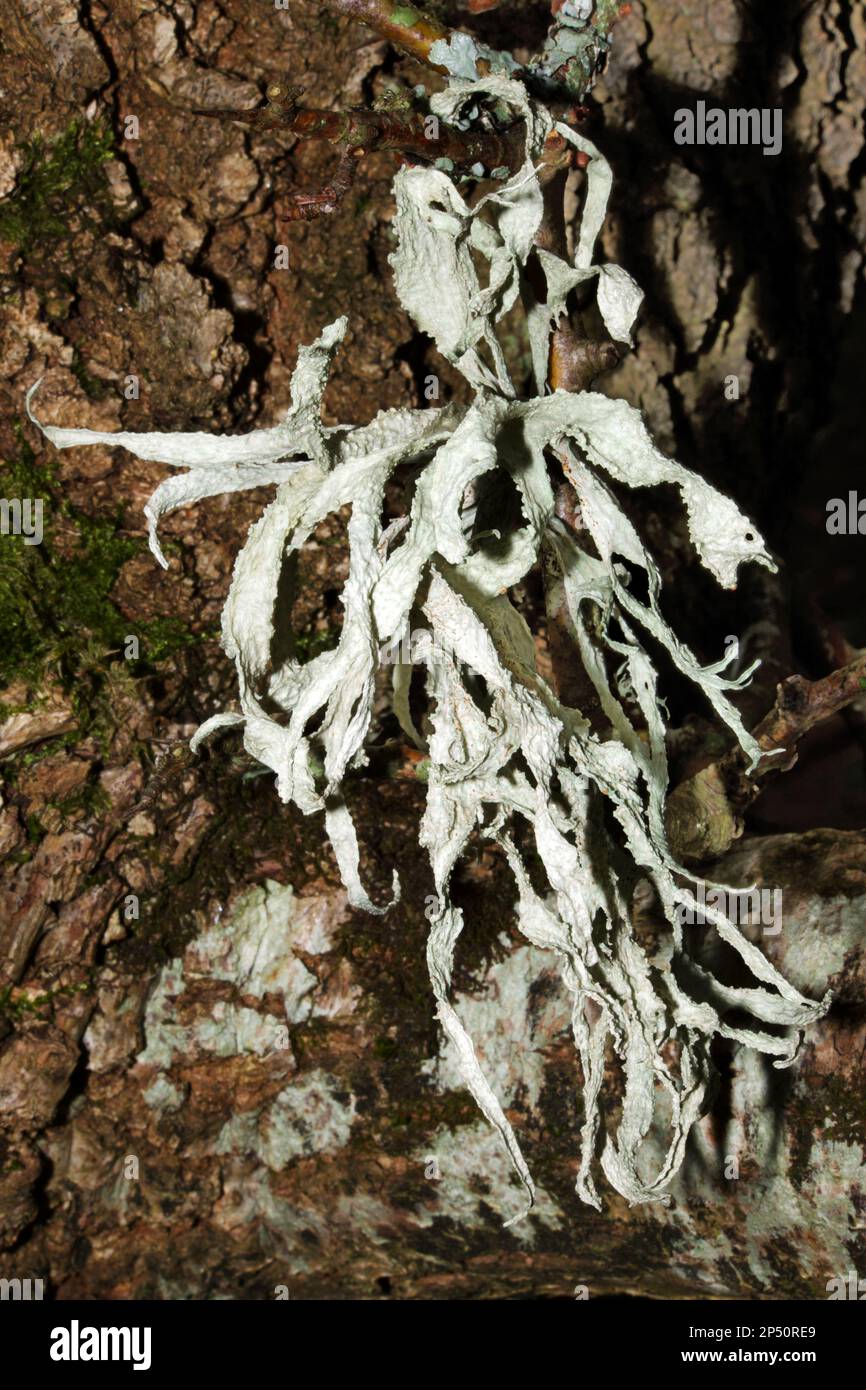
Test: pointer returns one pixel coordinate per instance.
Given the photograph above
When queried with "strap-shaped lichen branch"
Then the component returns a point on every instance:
(508, 757)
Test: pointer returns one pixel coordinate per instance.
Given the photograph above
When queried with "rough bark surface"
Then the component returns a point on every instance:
(215, 1078)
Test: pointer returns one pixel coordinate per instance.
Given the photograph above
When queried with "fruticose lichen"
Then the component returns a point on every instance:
(502, 747)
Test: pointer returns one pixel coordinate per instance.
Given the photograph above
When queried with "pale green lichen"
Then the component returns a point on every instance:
(405, 16)
(310, 1116)
(501, 746)
(577, 43)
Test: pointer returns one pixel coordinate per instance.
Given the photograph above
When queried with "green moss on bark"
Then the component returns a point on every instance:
(57, 178)
(56, 608)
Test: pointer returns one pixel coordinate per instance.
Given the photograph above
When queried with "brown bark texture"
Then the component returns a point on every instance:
(216, 1079)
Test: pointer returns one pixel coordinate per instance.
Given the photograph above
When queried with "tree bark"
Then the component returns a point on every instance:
(175, 1121)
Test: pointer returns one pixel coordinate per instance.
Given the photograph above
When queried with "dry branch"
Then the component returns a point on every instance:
(405, 26)
(363, 131)
(705, 813)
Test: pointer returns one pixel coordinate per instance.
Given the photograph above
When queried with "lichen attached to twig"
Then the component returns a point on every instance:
(503, 748)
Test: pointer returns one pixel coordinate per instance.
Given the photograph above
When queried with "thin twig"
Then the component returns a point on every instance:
(405, 26)
(363, 131)
(705, 813)
(303, 207)
(801, 704)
